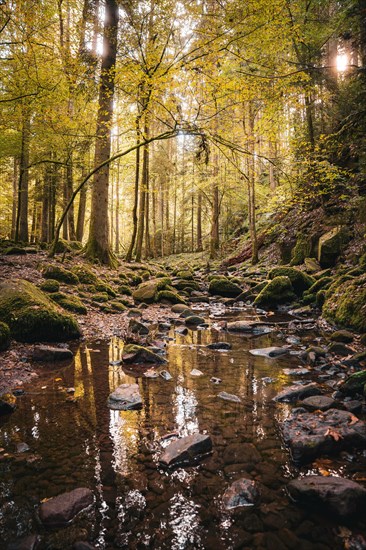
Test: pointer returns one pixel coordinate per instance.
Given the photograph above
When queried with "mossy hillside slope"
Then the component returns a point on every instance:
(31, 316)
(345, 303)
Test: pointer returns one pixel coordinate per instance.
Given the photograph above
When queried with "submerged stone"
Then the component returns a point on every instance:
(243, 492)
(219, 346)
(336, 495)
(310, 435)
(247, 327)
(7, 404)
(270, 352)
(30, 542)
(291, 393)
(138, 354)
(48, 353)
(62, 509)
(318, 402)
(186, 450)
(125, 398)
(229, 397)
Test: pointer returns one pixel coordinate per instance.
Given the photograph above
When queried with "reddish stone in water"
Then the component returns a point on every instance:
(243, 492)
(186, 450)
(62, 509)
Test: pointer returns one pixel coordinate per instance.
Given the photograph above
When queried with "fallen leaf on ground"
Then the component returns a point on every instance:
(333, 433)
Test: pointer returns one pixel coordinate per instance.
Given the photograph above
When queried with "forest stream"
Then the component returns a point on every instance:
(59, 439)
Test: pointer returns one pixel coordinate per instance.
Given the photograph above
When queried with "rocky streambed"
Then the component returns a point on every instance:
(232, 429)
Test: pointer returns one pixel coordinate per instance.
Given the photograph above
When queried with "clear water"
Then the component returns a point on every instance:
(115, 453)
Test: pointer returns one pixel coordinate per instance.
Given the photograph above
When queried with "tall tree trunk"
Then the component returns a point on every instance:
(21, 233)
(199, 222)
(45, 224)
(251, 184)
(15, 198)
(81, 209)
(70, 188)
(117, 208)
(215, 232)
(98, 247)
(143, 217)
(136, 195)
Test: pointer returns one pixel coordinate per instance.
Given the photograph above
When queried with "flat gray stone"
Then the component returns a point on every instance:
(243, 492)
(248, 327)
(62, 509)
(337, 495)
(270, 352)
(292, 393)
(186, 450)
(125, 398)
(229, 397)
(318, 402)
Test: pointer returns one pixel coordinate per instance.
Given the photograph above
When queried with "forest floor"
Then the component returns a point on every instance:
(16, 367)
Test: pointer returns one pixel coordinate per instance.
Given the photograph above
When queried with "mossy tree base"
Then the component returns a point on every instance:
(99, 254)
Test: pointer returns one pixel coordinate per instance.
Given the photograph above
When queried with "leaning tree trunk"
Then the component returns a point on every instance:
(98, 247)
(136, 197)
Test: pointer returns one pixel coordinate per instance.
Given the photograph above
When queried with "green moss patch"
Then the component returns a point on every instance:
(345, 303)
(300, 281)
(32, 316)
(85, 275)
(221, 286)
(60, 274)
(170, 297)
(71, 303)
(278, 291)
(50, 285)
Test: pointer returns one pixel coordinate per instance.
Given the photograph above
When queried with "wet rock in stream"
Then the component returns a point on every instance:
(310, 435)
(29, 542)
(125, 398)
(243, 492)
(229, 397)
(272, 352)
(292, 393)
(219, 346)
(186, 450)
(339, 496)
(138, 354)
(62, 509)
(318, 402)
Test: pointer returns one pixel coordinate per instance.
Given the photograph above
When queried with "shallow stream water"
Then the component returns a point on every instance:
(82, 443)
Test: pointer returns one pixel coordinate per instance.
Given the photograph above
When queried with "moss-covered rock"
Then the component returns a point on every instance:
(345, 304)
(343, 336)
(324, 282)
(134, 279)
(320, 298)
(85, 275)
(183, 284)
(224, 287)
(60, 274)
(14, 251)
(278, 291)
(104, 287)
(170, 297)
(185, 274)
(69, 302)
(125, 289)
(50, 285)
(32, 316)
(331, 245)
(147, 292)
(301, 250)
(309, 298)
(354, 383)
(300, 281)
(4, 336)
(312, 265)
(100, 297)
(117, 306)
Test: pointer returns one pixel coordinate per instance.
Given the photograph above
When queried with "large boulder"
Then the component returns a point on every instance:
(32, 316)
(221, 286)
(336, 495)
(310, 435)
(277, 291)
(60, 273)
(345, 304)
(331, 245)
(146, 292)
(300, 281)
(186, 450)
(62, 509)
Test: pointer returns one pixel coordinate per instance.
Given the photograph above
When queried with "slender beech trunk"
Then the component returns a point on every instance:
(15, 198)
(143, 199)
(81, 209)
(98, 247)
(199, 222)
(21, 232)
(45, 223)
(70, 189)
(136, 195)
(251, 184)
(117, 209)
